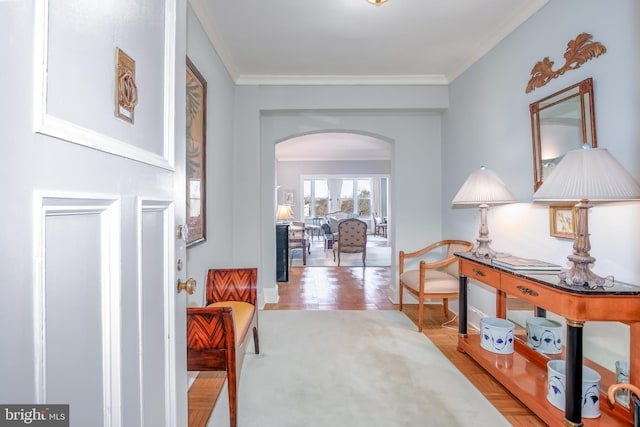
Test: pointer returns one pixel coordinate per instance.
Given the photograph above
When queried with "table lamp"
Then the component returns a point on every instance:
(586, 175)
(284, 213)
(483, 188)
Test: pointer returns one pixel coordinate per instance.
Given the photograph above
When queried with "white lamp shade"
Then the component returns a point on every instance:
(483, 187)
(588, 174)
(284, 212)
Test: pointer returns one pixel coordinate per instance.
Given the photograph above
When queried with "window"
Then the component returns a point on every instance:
(355, 196)
(316, 197)
(364, 197)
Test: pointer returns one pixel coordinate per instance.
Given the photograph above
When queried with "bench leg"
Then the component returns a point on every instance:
(256, 340)
(232, 385)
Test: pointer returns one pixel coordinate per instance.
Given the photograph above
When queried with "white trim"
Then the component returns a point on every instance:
(46, 204)
(168, 211)
(170, 326)
(521, 15)
(47, 124)
(209, 27)
(269, 296)
(422, 79)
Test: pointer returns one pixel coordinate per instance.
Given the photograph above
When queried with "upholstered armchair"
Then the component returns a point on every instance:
(352, 238)
(435, 276)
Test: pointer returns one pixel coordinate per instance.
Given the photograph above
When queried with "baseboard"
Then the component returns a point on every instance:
(473, 317)
(268, 296)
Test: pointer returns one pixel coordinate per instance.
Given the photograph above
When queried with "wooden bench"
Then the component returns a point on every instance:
(218, 334)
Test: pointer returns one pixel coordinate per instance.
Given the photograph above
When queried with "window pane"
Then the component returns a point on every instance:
(346, 192)
(307, 197)
(321, 188)
(346, 196)
(321, 197)
(364, 197)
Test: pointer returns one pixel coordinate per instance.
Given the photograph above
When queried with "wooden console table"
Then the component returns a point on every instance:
(524, 372)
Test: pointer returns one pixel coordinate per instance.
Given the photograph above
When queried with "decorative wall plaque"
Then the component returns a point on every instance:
(126, 90)
(579, 51)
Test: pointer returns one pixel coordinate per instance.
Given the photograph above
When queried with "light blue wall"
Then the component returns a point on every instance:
(440, 134)
(215, 251)
(488, 124)
(415, 166)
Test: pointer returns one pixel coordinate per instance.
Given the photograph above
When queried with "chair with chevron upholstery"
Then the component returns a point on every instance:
(218, 334)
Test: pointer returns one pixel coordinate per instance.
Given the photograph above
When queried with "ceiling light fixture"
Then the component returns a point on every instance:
(377, 2)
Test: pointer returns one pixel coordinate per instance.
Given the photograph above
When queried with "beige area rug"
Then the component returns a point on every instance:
(378, 255)
(351, 369)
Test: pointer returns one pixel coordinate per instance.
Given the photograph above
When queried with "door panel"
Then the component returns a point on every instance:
(79, 315)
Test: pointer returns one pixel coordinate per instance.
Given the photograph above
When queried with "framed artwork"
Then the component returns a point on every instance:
(289, 198)
(195, 159)
(563, 221)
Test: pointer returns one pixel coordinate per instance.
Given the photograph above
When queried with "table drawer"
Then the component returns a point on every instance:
(480, 273)
(536, 294)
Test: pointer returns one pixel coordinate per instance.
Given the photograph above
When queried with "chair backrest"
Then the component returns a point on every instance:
(326, 228)
(352, 233)
(454, 246)
(333, 223)
(231, 284)
(296, 230)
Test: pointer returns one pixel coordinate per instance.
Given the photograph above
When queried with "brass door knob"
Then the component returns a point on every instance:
(189, 286)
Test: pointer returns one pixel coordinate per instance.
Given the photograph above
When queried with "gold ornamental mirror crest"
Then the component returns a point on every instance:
(579, 51)
(126, 89)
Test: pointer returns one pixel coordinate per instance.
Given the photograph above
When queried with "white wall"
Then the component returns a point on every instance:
(488, 124)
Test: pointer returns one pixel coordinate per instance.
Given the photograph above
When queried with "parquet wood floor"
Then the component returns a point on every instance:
(356, 288)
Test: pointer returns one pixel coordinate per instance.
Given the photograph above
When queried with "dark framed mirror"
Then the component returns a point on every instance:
(561, 122)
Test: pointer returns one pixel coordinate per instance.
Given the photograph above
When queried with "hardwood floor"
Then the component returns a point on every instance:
(357, 288)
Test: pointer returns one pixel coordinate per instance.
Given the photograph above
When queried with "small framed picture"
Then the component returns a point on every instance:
(563, 221)
(289, 198)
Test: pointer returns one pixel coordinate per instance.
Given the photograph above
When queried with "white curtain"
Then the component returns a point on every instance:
(335, 187)
(376, 196)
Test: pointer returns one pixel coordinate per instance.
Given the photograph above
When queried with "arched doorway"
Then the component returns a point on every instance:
(321, 173)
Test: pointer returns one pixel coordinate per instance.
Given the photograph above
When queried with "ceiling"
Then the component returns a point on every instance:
(333, 146)
(354, 42)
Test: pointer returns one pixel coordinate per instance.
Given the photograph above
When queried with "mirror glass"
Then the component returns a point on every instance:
(561, 122)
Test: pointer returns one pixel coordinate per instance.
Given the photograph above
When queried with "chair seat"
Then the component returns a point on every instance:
(242, 315)
(347, 249)
(439, 265)
(436, 281)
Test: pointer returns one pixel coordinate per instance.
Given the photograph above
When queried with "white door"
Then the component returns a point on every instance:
(93, 318)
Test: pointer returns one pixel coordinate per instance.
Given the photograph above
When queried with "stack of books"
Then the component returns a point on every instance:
(530, 265)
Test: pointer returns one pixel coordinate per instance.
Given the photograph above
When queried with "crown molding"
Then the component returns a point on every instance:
(491, 41)
(248, 79)
(208, 24)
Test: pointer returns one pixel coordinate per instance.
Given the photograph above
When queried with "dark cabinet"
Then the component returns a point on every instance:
(282, 252)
